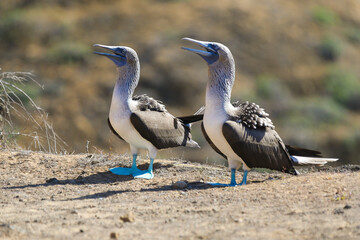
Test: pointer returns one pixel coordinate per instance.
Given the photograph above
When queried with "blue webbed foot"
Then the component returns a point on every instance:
(124, 171)
(233, 181)
(147, 174)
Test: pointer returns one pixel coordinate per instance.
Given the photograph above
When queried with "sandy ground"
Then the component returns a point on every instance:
(46, 196)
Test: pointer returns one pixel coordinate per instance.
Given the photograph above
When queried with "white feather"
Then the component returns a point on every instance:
(299, 160)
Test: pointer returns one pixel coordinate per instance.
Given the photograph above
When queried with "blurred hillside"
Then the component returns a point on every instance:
(297, 59)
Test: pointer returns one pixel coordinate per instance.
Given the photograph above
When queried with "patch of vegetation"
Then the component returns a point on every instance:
(15, 31)
(32, 92)
(313, 112)
(330, 48)
(269, 87)
(324, 16)
(69, 53)
(12, 108)
(353, 35)
(352, 143)
(271, 95)
(344, 87)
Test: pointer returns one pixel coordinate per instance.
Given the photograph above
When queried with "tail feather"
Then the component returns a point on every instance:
(300, 160)
(298, 151)
(191, 118)
(198, 116)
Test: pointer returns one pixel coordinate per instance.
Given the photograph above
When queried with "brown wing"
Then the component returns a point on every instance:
(210, 142)
(162, 129)
(259, 148)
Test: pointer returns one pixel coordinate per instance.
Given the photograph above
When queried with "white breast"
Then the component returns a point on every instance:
(120, 119)
(214, 119)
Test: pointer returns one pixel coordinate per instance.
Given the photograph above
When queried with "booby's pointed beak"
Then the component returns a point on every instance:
(117, 54)
(210, 55)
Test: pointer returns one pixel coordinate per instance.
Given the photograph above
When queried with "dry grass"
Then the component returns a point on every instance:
(17, 106)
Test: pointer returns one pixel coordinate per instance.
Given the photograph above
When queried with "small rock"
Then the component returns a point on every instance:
(129, 217)
(179, 185)
(114, 235)
(81, 231)
(347, 206)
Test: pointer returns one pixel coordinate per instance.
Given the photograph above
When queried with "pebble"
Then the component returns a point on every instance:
(129, 217)
(114, 235)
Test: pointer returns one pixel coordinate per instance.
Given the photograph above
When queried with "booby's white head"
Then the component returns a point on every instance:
(221, 67)
(216, 53)
(128, 65)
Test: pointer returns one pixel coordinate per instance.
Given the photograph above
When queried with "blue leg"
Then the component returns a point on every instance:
(243, 182)
(126, 171)
(232, 182)
(147, 174)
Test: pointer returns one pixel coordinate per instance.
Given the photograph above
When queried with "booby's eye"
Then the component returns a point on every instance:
(120, 51)
(213, 47)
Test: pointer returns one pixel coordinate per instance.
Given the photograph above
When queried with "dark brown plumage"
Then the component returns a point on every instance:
(162, 129)
(260, 147)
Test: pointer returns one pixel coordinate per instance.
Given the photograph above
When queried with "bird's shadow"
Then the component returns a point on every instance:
(97, 178)
(106, 177)
(190, 186)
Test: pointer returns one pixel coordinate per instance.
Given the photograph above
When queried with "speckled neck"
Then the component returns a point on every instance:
(128, 78)
(221, 81)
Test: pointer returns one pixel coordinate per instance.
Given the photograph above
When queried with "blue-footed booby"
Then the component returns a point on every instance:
(243, 133)
(141, 121)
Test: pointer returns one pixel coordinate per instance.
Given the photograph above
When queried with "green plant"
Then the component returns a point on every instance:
(343, 86)
(313, 112)
(12, 108)
(330, 48)
(15, 31)
(324, 15)
(69, 52)
(353, 35)
(269, 87)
